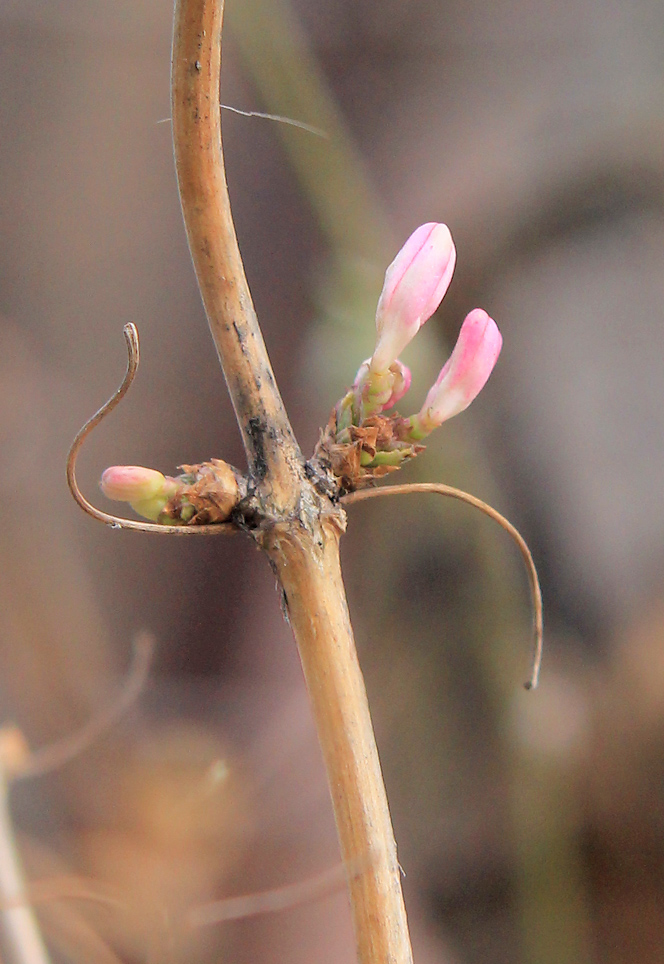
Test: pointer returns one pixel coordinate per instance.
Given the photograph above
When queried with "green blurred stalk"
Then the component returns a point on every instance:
(552, 902)
(330, 170)
(552, 908)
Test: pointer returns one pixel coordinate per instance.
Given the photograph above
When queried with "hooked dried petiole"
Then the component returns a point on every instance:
(447, 490)
(117, 522)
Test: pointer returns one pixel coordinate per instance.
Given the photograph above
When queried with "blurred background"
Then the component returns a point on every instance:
(530, 826)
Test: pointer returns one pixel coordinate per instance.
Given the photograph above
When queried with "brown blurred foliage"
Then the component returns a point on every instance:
(529, 824)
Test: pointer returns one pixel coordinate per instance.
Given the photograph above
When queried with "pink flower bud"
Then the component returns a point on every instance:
(415, 284)
(131, 483)
(146, 490)
(465, 374)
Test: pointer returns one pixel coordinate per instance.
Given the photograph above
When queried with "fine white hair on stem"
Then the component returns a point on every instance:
(279, 118)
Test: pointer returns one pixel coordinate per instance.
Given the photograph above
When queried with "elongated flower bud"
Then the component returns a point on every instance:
(131, 483)
(146, 490)
(415, 284)
(465, 374)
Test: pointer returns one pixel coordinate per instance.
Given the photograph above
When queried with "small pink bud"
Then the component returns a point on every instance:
(379, 391)
(415, 284)
(465, 374)
(131, 483)
(146, 490)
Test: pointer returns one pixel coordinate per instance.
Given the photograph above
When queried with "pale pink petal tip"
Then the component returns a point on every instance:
(467, 371)
(401, 385)
(415, 284)
(362, 373)
(131, 483)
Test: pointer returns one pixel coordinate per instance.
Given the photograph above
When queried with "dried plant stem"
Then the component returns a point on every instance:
(260, 412)
(314, 593)
(298, 527)
(21, 930)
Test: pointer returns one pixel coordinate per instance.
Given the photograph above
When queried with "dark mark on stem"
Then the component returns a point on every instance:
(257, 431)
(284, 607)
(242, 341)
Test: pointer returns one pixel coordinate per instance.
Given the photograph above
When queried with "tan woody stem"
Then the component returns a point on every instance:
(297, 526)
(266, 432)
(314, 593)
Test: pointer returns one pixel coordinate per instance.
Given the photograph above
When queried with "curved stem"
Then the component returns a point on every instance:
(438, 488)
(266, 432)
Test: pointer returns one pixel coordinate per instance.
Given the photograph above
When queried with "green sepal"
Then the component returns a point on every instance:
(150, 508)
(395, 457)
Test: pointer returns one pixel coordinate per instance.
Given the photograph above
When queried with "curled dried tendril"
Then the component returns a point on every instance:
(437, 488)
(118, 522)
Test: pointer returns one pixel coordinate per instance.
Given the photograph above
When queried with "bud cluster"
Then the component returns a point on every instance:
(202, 494)
(361, 442)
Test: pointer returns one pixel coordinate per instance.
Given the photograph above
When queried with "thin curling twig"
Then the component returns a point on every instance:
(66, 887)
(269, 901)
(117, 522)
(439, 488)
(62, 751)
